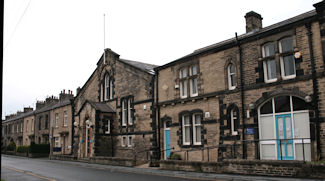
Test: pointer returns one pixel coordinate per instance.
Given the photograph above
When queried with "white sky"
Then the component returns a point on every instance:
(56, 44)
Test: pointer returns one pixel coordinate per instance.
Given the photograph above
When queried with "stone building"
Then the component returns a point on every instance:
(61, 124)
(29, 128)
(259, 95)
(113, 110)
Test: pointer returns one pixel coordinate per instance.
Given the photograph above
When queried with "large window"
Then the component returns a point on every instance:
(284, 129)
(56, 120)
(269, 63)
(188, 77)
(288, 67)
(191, 128)
(65, 118)
(127, 111)
(106, 88)
(231, 76)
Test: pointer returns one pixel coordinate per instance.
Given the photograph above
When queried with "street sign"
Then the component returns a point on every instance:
(249, 131)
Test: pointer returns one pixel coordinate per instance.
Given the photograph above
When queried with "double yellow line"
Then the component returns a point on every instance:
(29, 173)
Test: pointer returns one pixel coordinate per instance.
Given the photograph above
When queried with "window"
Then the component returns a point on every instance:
(32, 125)
(101, 91)
(127, 111)
(47, 122)
(288, 67)
(107, 87)
(108, 127)
(231, 77)
(40, 123)
(123, 141)
(57, 141)
(56, 120)
(186, 130)
(21, 127)
(27, 126)
(197, 129)
(65, 118)
(124, 112)
(193, 81)
(130, 141)
(233, 121)
(269, 64)
(17, 126)
(130, 119)
(183, 83)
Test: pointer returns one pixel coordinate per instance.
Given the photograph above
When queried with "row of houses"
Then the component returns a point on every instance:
(258, 96)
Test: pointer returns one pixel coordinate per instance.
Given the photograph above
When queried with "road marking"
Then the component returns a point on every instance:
(29, 173)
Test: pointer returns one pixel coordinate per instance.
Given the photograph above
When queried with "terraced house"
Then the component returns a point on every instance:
(259, 95)
(113, 110)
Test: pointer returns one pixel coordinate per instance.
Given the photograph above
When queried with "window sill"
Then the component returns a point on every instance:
(289, 77)
(270, 81)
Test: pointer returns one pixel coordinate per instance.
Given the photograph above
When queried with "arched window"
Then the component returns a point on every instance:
(107, 87)
(231, 77)
(284, 129)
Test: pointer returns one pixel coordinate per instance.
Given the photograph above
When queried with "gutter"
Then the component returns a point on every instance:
(242, 94)
(315, 88)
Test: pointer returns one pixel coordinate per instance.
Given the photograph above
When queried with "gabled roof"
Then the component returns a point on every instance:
(149, 68)
(233, 42)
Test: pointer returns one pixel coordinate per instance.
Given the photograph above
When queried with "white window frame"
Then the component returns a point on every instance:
(130, 141)
(57, 141)
(184, 128)
(123, 141)
(107, 87)
(108, 129)
(183, 83)
(266, 80)
(32, 125)
(285, 77)
(194, 129)
(130, 119)
(56, 120)
(27, 125)
(192, 81)
(65, 118)
(230, 74)
(232, 122)
(124, 112)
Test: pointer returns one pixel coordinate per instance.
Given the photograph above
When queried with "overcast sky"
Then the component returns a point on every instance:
(51, 45)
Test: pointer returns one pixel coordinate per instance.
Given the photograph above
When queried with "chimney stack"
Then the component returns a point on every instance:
(28, 109)
(253, 21)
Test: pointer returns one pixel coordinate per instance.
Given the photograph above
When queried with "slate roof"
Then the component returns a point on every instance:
(286, 22)
(102, 107)
(149, 68)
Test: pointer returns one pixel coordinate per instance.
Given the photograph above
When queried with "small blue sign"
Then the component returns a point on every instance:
(81, 141)
(249, 131)
(91, 141)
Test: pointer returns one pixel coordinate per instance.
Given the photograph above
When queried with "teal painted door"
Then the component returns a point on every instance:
(167, 142)
(284, 137)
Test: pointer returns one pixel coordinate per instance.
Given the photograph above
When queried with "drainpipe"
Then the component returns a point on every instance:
(158, 114)
(72, 126)
(315, 87)
(241, 94)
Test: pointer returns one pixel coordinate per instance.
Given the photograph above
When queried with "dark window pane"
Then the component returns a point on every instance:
(269, 49)
(267, 108)
(286, 45)
(298, 104)
(282, 104)
(289, 65)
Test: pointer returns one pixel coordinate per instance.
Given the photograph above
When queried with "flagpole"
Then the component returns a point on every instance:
(104, 41)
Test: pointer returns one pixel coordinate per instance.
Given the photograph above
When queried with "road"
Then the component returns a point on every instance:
(42, 169)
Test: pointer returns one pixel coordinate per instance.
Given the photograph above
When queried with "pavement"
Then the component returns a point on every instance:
(31, 169)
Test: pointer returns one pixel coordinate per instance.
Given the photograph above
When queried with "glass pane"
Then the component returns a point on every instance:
(194, 70)
(289, 65)
(269, 50)
(286, 45)
(233, 80)
(267, 108)
(280, 128)
(184, 88)
(186, 120)
(194, 84)
(231, 68)
(283, 150)
(268, 152)
(187, 134)
(299, 151)
(288, 128)
(271, 69)
(298, 104)
(183, 73)
(197, 119)
(301, 122)
(289, 150)
(198, 133)
(282, 104)
(267, 127)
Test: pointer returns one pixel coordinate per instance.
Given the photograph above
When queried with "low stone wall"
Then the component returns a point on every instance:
(113, 161)
(37, 155)
(63, 157)
(250, 167)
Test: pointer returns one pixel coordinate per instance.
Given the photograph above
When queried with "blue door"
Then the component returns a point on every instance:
(167, 142)
(284, 137)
